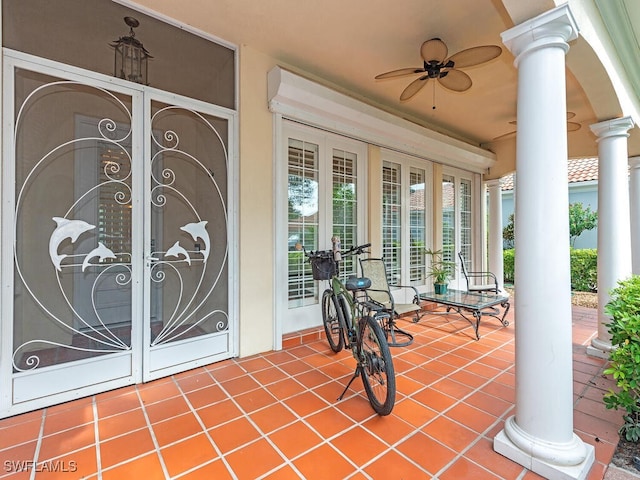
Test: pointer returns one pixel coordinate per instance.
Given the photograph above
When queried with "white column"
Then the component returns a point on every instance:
(634, 202)
(540, 435)
(496, 259)
(614, 232)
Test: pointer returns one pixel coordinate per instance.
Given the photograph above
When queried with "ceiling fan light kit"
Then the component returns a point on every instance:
(445, 70)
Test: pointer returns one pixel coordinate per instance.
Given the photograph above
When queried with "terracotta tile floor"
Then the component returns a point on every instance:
(275, 416)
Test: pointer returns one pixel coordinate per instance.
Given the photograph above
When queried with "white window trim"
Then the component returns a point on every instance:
(297, 98)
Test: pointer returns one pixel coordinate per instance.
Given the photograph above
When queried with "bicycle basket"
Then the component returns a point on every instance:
(323, 267)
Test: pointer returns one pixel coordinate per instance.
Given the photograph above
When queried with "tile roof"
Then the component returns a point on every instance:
(580, 170)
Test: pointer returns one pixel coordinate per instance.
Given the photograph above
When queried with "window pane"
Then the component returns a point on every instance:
(417, 226)
(392, 220)
(465, 219)
(303, 220)
(345, 206)
(448, 218)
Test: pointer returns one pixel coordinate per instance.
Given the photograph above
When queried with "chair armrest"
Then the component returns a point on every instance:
(486, 275)
(416, 298)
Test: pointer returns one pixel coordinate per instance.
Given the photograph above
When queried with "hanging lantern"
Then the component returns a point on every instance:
(130, 56)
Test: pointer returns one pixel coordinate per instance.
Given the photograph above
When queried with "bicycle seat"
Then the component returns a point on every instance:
(357, 283)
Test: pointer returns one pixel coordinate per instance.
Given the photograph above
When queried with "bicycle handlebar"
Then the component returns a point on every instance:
(359, 250)
(356, 250)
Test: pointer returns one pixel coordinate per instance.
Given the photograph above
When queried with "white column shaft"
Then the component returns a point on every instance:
(614, 233)
(540, 435)
(634, 202)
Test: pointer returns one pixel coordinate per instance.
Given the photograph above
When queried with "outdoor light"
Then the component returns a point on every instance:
(130, 56)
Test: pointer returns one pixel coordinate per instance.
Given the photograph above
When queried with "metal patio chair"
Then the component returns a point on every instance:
(478, 281)
(380, 292)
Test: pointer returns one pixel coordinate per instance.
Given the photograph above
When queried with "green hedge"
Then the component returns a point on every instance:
(509, 265)
(584, 268)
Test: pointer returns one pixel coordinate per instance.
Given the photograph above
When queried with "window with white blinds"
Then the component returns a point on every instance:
(303, 175)
(406, 217)
(345, 205)
(417, 226)
(392, 220)
(457, 216)
(323, 201)
(449, 223)
(465, 218)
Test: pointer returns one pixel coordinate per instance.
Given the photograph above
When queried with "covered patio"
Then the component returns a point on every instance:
(274, 415)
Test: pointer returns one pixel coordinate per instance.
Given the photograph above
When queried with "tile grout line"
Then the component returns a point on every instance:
(96, 431)
(152, 433)
(301, 419)
(204, 429)
(36, 453)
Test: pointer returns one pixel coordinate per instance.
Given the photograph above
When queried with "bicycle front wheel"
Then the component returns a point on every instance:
(331, 320)
(378, 375)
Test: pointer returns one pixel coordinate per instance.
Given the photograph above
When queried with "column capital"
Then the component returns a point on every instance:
(612, 128)
(556, 27)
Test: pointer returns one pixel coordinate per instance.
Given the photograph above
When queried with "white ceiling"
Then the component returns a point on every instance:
(346, 44)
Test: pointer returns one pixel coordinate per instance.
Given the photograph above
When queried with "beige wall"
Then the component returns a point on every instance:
(255, 211)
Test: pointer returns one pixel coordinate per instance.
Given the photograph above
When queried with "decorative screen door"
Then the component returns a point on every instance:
(115, 234)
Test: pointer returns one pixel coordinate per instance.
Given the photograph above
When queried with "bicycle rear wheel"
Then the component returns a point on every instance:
(378, 375)
(332, 321)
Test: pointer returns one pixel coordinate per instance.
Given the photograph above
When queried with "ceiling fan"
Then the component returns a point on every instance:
(571, 127)
(445, 70)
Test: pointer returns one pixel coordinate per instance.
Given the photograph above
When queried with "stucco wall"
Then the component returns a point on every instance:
(256, 214)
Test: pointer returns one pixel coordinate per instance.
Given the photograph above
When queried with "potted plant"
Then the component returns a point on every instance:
(440, 270)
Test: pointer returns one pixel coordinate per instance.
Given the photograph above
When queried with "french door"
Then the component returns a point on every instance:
(115, 234)
(325, 183)
(459, 213)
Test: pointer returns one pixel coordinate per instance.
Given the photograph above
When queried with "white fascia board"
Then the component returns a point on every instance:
(300, 99)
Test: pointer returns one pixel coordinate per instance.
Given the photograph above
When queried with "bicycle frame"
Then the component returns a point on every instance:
(353, 322)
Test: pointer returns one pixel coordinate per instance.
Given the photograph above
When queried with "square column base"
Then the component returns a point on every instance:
(596, 352)
(506, 447)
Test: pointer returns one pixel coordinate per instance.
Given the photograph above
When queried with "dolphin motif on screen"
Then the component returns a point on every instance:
(101, 252)
(66, 228)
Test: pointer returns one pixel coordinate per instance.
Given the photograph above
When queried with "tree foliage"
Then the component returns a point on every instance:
(580, 219)
(508, 233)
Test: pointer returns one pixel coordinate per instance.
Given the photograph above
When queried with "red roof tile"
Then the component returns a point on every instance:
(580, 170)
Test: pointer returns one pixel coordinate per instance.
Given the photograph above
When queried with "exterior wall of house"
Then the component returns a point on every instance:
(256, 209)
(582, 192)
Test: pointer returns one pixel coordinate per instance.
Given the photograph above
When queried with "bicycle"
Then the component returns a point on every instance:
(351, 321)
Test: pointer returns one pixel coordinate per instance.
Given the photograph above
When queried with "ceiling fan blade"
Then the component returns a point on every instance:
(399, 73)
(413, 88)
(434, 49)
(573, 126)
(455, 80)
(475, 56)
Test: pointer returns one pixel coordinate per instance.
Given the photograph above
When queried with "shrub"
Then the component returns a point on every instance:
(624, 328)
(509, 259)
(584, 269)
